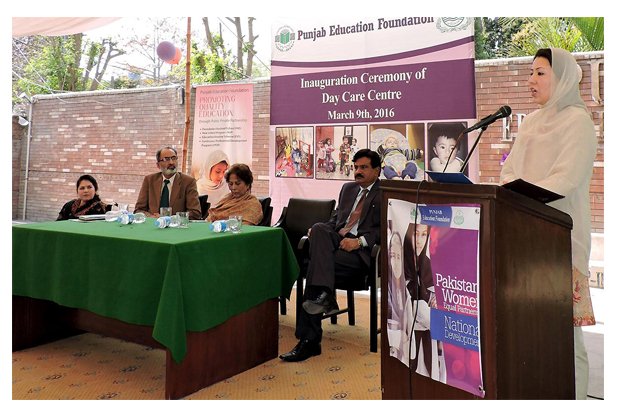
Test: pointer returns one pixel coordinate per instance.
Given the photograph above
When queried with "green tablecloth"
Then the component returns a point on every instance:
(175, 280)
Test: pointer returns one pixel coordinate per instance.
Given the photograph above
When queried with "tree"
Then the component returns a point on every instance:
(165, 29)
(99, 57)
(521, 36)
(570, 33)
(493, 38)
(206, 68)
(234, 65)
(55, 65)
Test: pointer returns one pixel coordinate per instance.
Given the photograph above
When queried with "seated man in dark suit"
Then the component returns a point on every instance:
(168, 188)
(339, 248)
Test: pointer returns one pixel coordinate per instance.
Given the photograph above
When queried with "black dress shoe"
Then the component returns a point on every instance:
(324, 303)
(302, 351)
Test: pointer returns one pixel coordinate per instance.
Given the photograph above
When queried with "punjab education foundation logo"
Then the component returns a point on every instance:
(285, 38)
(459, 218)
(452, 24)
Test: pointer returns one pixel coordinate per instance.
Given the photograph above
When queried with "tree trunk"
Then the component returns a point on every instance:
(251, 52)
(237, 24)
(209, 36)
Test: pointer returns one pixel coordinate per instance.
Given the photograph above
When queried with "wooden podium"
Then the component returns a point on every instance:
(525, 307)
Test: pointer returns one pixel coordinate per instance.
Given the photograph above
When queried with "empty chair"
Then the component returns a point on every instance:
(265, 202)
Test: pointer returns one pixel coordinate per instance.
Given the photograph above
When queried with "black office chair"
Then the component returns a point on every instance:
(204, 205)
(296, 218)
(265, 202)
(367, 281)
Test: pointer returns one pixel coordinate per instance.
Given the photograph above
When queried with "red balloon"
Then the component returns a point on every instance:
(176, 58)
(166, 51)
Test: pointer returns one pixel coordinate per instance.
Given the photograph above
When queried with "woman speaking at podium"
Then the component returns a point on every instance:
(555, 149)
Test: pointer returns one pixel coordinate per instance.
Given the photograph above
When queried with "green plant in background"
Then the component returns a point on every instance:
(522, 36)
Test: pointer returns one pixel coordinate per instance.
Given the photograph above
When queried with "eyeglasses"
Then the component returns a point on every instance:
(172, 158)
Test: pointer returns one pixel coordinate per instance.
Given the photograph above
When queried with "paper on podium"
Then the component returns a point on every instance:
(440, 177)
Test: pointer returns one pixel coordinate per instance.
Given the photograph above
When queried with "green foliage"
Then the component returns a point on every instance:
(522, 36)
(53, 69)
(124, 82)
(493, 36)
(206, 68)
(63, 63)
(591, 29)
(573, 34)
(543, 33)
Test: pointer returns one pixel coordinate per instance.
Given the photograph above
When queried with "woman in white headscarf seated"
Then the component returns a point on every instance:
(211, 181)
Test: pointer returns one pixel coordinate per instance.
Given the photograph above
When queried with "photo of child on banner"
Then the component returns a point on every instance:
(335, 148)
(444, 306)
(447, 147)
(294, 152)
(401, 149)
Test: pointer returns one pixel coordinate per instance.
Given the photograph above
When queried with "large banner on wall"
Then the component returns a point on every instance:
(222, 131)
(404, 87)
(433, 291)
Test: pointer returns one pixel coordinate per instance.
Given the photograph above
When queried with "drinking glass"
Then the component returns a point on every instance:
(175, 221)
(165, 211)
(183, 217)
(139, 218)
(234, 223)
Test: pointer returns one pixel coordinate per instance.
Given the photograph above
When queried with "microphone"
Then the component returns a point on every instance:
(503, 112)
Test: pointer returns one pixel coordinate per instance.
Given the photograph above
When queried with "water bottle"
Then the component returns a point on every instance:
(162, 222)
(219, 226)
(125, 218)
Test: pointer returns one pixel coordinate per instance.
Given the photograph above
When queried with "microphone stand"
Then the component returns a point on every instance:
(477, 140)
(455, 150)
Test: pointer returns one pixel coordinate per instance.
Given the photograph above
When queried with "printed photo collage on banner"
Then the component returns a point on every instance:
(407, 150)
(404, 87)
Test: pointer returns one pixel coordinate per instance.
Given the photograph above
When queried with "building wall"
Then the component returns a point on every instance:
(114, 135)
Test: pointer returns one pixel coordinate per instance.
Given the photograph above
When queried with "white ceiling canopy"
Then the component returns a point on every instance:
(57, 26)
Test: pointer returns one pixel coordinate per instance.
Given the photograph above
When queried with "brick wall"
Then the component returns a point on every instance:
(114, 135)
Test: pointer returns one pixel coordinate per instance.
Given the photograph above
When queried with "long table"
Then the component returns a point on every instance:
(208, 298)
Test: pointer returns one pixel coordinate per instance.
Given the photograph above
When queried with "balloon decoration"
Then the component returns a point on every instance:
(176, 57)
(168, 52)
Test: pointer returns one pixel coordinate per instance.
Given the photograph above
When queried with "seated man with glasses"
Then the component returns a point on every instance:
(168, 188)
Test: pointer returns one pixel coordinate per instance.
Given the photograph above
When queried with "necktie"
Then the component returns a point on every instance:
(165, 194)
(355, 215)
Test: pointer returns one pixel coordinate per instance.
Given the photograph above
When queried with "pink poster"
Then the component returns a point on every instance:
(222, 134)
(433, 313)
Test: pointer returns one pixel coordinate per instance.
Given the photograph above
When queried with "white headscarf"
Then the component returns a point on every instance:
(205, 186)
(555, 149)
